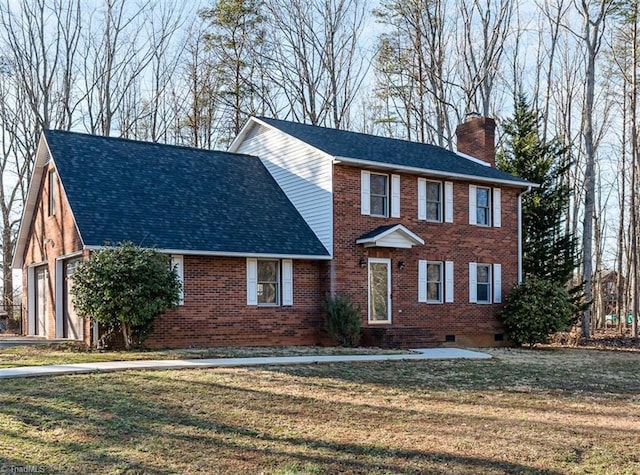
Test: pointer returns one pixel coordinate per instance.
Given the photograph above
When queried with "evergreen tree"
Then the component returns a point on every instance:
(549, 249)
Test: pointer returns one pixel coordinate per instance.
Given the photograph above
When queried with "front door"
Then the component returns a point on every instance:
(42, 283)
(379, 290)
(73, 324)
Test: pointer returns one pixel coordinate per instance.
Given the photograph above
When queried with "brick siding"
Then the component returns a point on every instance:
(415, 323)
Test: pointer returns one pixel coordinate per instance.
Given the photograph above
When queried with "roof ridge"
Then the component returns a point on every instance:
(142, 142)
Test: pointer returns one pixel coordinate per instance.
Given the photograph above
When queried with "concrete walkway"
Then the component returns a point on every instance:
(110, 366)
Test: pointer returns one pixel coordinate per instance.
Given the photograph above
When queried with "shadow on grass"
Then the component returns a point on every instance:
(591, 377)
(116, 420)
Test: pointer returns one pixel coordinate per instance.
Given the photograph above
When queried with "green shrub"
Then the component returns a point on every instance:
(535, 309)
(124, 288)
(343, 320)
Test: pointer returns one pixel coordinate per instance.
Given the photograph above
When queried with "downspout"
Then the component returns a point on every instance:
(528, 190)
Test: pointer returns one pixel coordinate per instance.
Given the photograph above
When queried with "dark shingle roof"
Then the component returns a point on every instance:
(388, 151)
(176, 198)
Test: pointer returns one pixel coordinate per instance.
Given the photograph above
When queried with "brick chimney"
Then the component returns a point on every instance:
(476, 137)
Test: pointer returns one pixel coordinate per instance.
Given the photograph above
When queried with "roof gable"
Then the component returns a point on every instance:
(176, 198)
(392, 153)
(392, 235)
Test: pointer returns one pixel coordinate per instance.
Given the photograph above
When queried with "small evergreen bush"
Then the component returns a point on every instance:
(535, 309)
(343, 320)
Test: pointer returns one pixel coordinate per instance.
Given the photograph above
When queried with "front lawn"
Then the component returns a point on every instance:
(552, 411)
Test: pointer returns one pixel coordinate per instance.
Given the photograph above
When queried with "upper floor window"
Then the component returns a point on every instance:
(485, 207)
(434, 201)
(380, 194)
(52, 193)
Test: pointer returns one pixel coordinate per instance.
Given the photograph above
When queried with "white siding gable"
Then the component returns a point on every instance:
(303, 173)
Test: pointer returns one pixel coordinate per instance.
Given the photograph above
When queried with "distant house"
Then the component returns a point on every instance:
(424, 239)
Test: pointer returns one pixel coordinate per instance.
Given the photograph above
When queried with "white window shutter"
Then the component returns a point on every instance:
(422, 198)
(448, 202)
(473, 282)
(252, 281)
(365, 194)
(287, 282)
(497, 283)
(473, 215)
(422, 281)
(448, 281)
(177, 263)
(497, 208)
(395, 196)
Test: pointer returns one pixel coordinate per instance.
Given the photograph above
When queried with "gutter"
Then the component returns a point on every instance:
(528, 190)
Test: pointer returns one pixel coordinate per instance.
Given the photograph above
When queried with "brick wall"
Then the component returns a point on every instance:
(215, 311)
(50, 236)
(415, 323)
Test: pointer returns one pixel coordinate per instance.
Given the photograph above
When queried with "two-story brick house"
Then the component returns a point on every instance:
(425, 240)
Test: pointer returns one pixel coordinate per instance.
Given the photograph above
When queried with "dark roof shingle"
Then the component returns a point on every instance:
(176, 198)
(388, 151)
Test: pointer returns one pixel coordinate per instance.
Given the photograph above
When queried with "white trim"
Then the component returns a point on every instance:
(497, 208)
(395, 196)
(31, 299)
(227, 254)
(379, 260)
(411, 238)
(287, 282)
(473, 214)
(365, 193)
(404, 168)
(422, 198)
(59, 301)
(497, 283)
(448, 202)
(473, 159)
(473, 282)
(177, 263)
(252, 281)
(422, 281)
(520, 195)
(448, 281)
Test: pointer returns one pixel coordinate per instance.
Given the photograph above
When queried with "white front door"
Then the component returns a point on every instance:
(379, 290)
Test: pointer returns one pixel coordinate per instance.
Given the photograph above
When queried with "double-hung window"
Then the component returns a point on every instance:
(485, 283)
(434, 201)
(485, 206)
(435, 281)
(379, 195)
(269, 282)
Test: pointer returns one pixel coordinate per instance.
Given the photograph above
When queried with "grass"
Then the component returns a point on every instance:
(51, 354)
(553, 411)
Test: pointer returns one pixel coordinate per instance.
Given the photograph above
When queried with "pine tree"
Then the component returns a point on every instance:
(549, 250)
